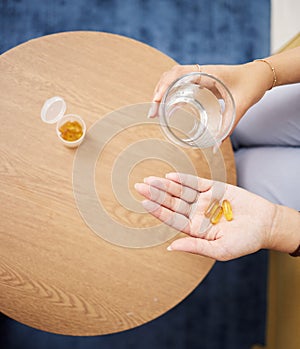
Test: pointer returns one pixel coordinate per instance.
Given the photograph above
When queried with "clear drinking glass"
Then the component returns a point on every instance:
(197, 110)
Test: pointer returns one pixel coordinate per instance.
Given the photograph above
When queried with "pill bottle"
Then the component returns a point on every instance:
(53, 111)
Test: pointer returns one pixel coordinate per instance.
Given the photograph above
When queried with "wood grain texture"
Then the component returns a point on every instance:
(56, 274)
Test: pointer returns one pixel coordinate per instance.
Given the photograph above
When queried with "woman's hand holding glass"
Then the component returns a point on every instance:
(246, 82)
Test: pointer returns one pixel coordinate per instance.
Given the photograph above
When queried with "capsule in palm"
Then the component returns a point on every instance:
(215, 218)
(227, 210)
(211, 209)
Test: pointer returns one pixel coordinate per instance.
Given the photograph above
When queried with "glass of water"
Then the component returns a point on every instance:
(197, 110)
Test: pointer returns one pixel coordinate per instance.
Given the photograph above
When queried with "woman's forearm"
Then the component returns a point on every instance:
(247, 82)
(286, 65)
(285, 233)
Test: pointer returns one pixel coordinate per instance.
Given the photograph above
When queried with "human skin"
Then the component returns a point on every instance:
(247, 82)
(257, 222)
(180, 201)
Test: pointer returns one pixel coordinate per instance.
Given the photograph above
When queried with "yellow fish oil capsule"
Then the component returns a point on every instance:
(71, 131)
(211, 209)
(215, 218)
(227, 210)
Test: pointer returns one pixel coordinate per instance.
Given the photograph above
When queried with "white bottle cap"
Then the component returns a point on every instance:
(53, 110)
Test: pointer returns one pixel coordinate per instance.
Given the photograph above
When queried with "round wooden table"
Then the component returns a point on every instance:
(56, 274)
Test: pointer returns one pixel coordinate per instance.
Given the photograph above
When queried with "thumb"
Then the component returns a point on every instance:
(208, 248)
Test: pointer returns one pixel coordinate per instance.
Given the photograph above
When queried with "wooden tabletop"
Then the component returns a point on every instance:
(57, 272)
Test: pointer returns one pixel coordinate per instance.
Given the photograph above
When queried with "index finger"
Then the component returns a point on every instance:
(169, 77)
(217, 188)
(164, 82)
(191, 181)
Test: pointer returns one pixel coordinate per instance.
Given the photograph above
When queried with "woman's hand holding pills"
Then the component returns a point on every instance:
(182, 201)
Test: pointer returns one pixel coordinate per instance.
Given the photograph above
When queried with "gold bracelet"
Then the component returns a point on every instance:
(272, 68)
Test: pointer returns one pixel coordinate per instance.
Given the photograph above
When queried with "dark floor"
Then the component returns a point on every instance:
(228, 309)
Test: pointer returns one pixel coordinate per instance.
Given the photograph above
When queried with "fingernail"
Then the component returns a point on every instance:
(171, 175)
(169, 248)
(146, 179)
(151, 180)
(156, 97)
(152, 110)
(150, 205)
(138, 186)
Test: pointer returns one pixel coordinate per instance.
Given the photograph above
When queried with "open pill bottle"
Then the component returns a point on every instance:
(70, 128)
